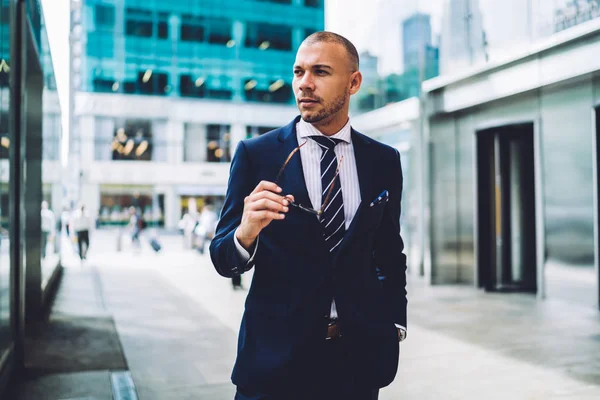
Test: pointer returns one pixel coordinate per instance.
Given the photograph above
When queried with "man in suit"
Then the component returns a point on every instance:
(314, 207)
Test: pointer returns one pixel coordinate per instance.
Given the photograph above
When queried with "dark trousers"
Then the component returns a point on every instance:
(326, 378)
(83, 238)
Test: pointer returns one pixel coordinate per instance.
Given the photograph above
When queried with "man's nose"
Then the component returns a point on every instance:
(307, 83)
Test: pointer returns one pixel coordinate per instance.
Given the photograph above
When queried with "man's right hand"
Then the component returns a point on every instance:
(262, 206)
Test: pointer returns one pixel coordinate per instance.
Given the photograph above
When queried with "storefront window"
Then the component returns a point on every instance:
(193, 205)
(116, 202)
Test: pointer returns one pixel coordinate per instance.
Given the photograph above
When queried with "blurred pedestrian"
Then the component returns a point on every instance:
(207, 224)
(136, 224)
(81, 227)
(48, 226)
(327, 305)
(186, 226)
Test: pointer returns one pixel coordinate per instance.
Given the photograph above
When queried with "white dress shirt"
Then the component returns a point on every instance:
(81, 221)
(311, 154)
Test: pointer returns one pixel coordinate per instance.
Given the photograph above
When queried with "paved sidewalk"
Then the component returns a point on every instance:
(462, 343)
(177, 322)
(75, 352)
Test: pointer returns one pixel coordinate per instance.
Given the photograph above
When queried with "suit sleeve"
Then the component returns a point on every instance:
(389, 251)
(224, 254)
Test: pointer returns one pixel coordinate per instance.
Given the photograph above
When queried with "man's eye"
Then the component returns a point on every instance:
(297, 72)
(321, 72)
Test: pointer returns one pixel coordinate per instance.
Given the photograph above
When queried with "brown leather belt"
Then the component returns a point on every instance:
(333, 330)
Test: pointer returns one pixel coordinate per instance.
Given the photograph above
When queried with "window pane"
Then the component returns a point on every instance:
(132, 140)
(139, 28)
(219, 31)
(277, 91)
(217, 146)
(103, 85)
(269, 36)
(105, 16)
(152, 83)
(163, 30)
(189, 87)
(192, 33)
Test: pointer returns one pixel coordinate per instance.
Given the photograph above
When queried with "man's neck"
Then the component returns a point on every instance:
(331, 128)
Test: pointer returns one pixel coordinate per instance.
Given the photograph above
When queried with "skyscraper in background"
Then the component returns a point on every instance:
(368, 67)
(168, 89)
(419, 53)
(416, 36)
(463, 41)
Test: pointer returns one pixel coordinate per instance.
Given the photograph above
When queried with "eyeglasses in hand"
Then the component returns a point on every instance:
(325, 202)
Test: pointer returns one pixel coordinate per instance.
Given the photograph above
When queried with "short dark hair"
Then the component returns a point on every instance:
(330, 37)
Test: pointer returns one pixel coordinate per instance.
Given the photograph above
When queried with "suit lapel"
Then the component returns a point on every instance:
(293, 182)
(364, 167)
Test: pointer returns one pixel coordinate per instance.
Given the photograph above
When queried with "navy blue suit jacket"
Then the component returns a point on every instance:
(295, 276)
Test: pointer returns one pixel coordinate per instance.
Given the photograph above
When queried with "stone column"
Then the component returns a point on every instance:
(172, 209)
(238, 133)
(175, 138)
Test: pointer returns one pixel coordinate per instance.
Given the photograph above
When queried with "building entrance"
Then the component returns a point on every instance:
(506, 209)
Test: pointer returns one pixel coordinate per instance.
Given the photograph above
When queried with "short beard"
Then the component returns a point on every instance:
(329, 111)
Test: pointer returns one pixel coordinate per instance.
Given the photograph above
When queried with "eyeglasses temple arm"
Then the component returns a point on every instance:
(288, 160)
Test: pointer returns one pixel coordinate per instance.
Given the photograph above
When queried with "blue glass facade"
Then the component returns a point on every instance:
(213, 49)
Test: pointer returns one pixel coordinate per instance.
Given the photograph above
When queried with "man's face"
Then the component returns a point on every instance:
(323, 82)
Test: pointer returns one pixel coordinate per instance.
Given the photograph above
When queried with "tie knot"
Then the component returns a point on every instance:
(326, 142)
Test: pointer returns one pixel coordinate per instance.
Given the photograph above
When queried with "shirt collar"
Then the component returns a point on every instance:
(305, 130)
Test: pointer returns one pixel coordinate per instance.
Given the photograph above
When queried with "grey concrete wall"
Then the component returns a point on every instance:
(443, 228)
(567, 172)
(563, 113)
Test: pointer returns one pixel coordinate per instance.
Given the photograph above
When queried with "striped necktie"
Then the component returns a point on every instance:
(333, 217)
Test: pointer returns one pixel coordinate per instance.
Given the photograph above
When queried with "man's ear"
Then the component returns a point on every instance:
(355, 82)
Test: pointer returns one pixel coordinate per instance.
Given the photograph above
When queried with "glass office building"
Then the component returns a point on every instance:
(30, 176)
(177, 85)
(217, 49)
